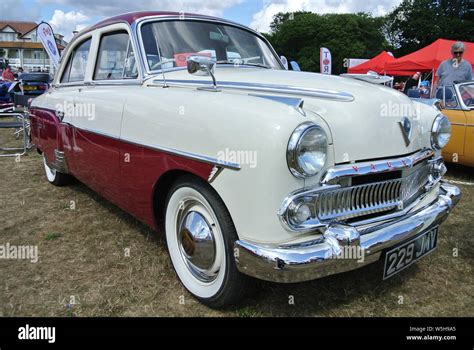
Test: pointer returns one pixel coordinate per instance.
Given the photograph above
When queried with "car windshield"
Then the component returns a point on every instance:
(467, 94)
(227, 44)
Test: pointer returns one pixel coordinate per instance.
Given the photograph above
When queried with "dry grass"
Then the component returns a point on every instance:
(82, 254)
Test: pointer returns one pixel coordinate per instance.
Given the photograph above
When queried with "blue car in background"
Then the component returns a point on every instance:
(28, 84)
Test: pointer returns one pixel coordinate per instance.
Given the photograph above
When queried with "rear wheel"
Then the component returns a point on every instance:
(55, 177)
(200, 237)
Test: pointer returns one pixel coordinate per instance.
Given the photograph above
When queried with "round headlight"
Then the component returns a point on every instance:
(307, 150)
(441, 132)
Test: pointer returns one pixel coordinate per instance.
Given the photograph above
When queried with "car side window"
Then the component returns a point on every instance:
(451, 100)
(77, 64)
(116, 59)
(448, 96)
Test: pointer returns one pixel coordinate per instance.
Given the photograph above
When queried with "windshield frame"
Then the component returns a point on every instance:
(458, 93)
(194, 19)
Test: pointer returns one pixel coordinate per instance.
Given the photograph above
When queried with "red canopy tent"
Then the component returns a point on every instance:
(376, 64)
(427, 59)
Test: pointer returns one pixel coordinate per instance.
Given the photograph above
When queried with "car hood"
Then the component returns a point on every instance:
(367, 126)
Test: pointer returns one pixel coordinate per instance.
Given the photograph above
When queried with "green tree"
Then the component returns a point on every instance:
(417, 23)
(300, 35)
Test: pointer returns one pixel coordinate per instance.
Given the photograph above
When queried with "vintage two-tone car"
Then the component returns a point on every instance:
(192, 125)
(458, 106)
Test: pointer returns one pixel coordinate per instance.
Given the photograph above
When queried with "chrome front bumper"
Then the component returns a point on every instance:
(322, 257)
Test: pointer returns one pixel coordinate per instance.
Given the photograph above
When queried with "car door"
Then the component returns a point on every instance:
(469, 144)
(51, 124)
(98, 116)
(453, 110)
(466, 95)
(100, 106)
(65, 95)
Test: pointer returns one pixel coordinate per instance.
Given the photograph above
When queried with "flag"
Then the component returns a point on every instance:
(46, 35)
(325, 60)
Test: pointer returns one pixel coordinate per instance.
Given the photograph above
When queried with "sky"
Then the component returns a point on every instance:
(68, 15)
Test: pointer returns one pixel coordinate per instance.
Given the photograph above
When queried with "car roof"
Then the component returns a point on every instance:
(132, 17)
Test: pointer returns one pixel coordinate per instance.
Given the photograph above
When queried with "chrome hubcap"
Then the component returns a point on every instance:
(196, 242)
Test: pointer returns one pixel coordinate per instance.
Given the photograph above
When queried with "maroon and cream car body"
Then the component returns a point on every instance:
(192, 125)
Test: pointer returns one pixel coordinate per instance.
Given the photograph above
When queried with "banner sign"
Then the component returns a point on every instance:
(325, 61)
(46, 35)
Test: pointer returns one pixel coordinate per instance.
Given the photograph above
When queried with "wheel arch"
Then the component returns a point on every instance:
(164, 184)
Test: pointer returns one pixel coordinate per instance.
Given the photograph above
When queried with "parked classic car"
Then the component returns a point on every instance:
(458, 106)
(29, 85)
(191, 124)
(34, 84)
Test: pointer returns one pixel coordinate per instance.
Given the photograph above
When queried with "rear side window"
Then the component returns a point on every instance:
(76, 67)
(116, 59)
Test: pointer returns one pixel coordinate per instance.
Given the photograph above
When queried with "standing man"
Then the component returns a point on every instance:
(455, 69)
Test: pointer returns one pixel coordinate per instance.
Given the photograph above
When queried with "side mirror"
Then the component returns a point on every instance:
(202, 65)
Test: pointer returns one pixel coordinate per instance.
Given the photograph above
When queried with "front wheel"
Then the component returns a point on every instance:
(200, 237)
(55, 177)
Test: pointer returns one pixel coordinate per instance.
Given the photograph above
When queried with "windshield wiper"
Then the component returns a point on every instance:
(243, 64)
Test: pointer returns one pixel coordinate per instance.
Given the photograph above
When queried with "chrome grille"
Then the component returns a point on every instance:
(365, 199)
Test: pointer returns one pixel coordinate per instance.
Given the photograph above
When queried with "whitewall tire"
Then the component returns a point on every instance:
(200, 237)
(55, 177)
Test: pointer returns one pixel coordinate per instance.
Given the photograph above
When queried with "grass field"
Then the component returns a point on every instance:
(96, 260)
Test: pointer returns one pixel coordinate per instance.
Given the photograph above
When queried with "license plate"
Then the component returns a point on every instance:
(29, 88)
(409, 252)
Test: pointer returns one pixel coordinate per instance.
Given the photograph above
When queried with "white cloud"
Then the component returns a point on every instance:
(262, 19)
(114, 7)
(66, 22)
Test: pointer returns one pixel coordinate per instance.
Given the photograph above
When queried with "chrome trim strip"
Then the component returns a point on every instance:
(319, 257)
(117, 82)
(461, 124)
(114, 82)
(189, 155)
(216, 170)
(185, 154)
(270, 88)
(60, 163)
(96, 132)
(337, 172)
(296, 103)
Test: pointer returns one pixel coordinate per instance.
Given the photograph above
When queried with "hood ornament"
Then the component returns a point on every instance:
(406, 126)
